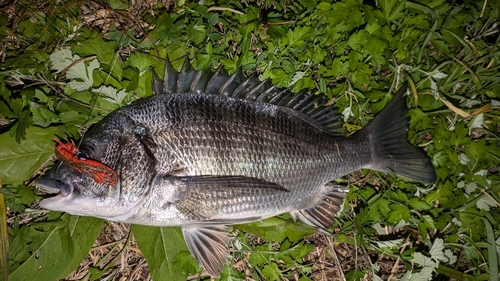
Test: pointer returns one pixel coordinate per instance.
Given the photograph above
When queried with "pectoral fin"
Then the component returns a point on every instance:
(214, 198)
(209, 246)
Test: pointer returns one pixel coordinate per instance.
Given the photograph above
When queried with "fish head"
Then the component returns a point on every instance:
(78, 192)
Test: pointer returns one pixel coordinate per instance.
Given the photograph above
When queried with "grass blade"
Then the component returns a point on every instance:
(492, 251)
(4, 241)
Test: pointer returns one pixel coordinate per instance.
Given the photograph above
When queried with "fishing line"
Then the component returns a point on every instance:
(99, 93)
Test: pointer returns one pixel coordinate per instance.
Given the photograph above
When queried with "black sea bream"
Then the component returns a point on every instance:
(212, 149)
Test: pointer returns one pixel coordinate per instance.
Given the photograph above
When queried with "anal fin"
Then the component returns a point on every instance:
(322, 215)
(208, 245)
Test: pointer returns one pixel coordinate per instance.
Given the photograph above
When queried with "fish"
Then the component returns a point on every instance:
(210, 149)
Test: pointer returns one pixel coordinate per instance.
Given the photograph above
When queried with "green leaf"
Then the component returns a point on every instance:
(141, 61)
(423, 261)
(390, 244)
(340, 67)
(19, 197)
(271, 272)
(196, 32)
(354, 274)
(424, 275)
(18, 161)
(51, 251)
(111, 94)
(260, 228)
(297, 231)
(62, 58)
(105, 50)
(187, 262)
(118, 5)
(17, 110)
(296, 37)
(84, 73)
(428, 221)
(392, 10)
(436, 250)
(419, 205)
(398, 213)
(277, 229)
(213, 19)
(357, 40)
(160, 245)
(485, 203)
(379, 208)
(42, 116)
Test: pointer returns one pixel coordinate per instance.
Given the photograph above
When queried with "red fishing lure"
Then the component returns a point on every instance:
(68, 154)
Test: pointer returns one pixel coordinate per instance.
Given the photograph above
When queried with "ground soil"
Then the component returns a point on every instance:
(117, 255)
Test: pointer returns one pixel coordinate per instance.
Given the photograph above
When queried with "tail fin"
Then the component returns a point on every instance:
(390, 149)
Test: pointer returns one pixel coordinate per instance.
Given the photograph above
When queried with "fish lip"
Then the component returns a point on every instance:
(48, 203)
(55, 186)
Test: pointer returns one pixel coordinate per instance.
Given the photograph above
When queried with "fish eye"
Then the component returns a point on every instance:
(86, 150)
(82, 156)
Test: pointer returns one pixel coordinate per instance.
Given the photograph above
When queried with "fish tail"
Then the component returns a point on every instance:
(390, 149)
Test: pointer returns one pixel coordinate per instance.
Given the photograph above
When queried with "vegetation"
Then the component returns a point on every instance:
(66, 64)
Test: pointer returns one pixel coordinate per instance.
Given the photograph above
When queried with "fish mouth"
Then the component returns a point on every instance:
(63, 189)
(53, 186)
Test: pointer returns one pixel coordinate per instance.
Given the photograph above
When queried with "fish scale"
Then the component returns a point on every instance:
(213, 149)
(199, 130)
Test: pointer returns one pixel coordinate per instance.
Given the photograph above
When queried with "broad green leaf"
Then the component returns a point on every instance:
(160, 245)
(298, 75)
(271, 272)
(84, 231)
(423, 261)
(391, 9)
(424, 275)
(450, 258)
(196, 32)
(297, 231)
(277, 229)
(398, 213)
(436, 250)
(485, 203)
(142, 62)
(296, 37)
(390, 244)
(18, 111)
(357, 40)
(51, 251)
(428, 221)
(354, 274)
(18, 161)
(42, 116)
(187, 262)
(84, 73)
(418, 205)
(17, 198)
(105, 50)
(62, 58)
(112, 95)
(118, 4)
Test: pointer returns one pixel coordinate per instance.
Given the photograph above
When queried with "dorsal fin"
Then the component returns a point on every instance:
(308, 107)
